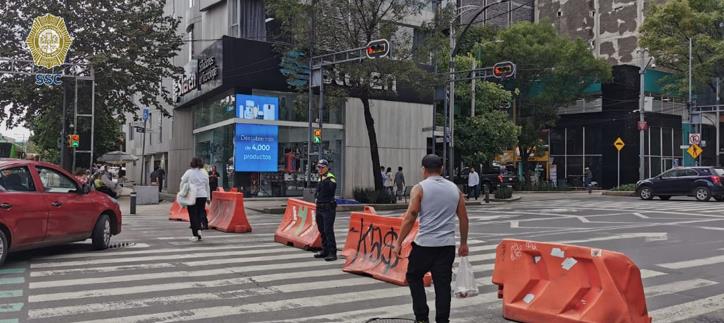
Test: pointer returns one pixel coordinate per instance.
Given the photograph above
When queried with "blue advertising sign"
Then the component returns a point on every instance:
(256, 148)
(254, 107)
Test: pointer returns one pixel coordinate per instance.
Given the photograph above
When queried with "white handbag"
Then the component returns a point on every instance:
(186, 195)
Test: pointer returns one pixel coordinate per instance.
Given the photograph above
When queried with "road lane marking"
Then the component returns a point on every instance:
(641, 215)
(11, 293)
(686, 311)
(11, 307)
(12, 271)
(514, 224)
(677, 287)
(12, 280)
(46, 312)
(646, 273)
(154, 251)
(94, 270)
(693, 263)
(195, 255)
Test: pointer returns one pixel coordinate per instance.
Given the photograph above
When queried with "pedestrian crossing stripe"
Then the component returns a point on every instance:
(247, 271)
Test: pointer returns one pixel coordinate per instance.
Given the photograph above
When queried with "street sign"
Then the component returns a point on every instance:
(695, 151)
(694, 139)
(618, 144)
(146, 114)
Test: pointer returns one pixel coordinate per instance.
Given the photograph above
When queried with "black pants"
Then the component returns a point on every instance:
(474, 191)
(325, 224)
(438, 261)
(197, 216)
(160, 184)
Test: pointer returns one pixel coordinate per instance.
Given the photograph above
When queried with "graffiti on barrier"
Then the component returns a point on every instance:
(376, 243)
(300, 218)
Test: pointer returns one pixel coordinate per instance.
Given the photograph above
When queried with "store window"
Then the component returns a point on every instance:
(212, 111)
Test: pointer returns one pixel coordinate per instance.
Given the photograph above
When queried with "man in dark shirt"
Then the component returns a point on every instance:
(326, 211)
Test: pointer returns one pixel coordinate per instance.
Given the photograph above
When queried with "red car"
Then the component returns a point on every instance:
(41, 205)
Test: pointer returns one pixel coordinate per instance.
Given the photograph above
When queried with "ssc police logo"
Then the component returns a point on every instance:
(49, 41)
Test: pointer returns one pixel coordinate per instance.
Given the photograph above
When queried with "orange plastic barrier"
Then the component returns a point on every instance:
(368, 249)
(227, 214)
(178, 213)
(369, 209)
(298, 227)
(550, 282)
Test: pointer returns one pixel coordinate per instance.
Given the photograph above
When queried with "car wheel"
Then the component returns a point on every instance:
(719, 198)
(645, 193)
(102, 233)
(665, 197)
(4, 247)
(703, 193)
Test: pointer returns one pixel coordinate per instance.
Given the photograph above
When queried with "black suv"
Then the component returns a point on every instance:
(700, 182)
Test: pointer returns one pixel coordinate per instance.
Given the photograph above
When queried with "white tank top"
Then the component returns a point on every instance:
(438, 210)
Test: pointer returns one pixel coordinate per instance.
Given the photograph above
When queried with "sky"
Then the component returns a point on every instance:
(17, 133)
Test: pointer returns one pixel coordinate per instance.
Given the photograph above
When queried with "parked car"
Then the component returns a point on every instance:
(496, 175)
(41, 205)
(700, 182)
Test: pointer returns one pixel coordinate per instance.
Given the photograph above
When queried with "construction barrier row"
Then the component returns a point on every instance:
(226, 212)
(550, 282)
(368, 249)
(298, 227)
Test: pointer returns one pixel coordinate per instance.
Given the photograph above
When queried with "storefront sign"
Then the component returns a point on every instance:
(200, 75)
(256, 148)
(254, 107)
(208, 70)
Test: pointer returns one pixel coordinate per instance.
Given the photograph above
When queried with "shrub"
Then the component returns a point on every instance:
(504, 192)
(370, 196)
(625, 187)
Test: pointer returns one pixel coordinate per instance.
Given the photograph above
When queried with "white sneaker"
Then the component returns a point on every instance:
(196, 239)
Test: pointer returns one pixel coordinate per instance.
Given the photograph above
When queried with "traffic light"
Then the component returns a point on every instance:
(378, 48)
(504, 70)
(74, 141)
(317, 136)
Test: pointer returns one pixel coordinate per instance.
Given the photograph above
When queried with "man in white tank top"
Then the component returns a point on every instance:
(436, 202)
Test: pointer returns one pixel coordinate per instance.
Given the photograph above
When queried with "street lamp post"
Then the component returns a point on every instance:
(642, 103)
(451, 85)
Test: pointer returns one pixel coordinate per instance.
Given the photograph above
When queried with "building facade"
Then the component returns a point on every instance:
(234, 109)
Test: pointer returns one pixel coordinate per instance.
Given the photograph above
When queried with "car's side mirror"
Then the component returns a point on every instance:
(86, 189)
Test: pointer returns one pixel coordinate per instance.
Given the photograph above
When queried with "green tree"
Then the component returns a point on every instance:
(479, 138)
(130, 44)
(342, 25)
(553, 71)
(666, 33)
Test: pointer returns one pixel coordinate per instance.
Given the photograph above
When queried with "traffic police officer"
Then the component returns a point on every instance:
(326, 211)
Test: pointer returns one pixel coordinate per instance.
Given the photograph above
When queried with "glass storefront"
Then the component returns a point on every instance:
(216, 146)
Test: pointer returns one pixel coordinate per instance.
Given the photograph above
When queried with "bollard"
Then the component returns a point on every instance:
(486, 189)
(133, 202)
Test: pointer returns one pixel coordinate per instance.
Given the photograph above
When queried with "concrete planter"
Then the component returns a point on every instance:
(146, 195)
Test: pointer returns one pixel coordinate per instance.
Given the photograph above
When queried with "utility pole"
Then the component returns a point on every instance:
(718, 121)
(642, 102)
(451, 102)
(689, 106)
(308, 166)
(472, 90)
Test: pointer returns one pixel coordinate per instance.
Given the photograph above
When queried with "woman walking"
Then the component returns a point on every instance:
(389, 182)
(198, 184)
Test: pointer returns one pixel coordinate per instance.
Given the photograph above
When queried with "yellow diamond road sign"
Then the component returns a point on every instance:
(618, 144)
(695, 151)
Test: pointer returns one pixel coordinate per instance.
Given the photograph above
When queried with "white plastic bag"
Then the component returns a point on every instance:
(186, 195)
(465, 284)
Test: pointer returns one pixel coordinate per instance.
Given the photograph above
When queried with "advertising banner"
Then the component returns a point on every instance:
(256, 148)
(253, 107)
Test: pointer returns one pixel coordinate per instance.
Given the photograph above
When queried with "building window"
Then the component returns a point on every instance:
(560, 13)
(191, 44)
(191, 3)
(234, 18)
(160, 130)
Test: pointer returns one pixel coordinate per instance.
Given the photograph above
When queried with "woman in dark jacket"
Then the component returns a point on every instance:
(213, 181)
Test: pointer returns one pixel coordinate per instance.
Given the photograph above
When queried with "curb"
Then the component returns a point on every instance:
(620, 193)
(380, 207)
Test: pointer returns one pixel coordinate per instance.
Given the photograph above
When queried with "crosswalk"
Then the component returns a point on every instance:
(635, 204)
(249, 278)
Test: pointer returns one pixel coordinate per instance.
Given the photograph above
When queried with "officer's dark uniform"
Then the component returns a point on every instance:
(326, 213)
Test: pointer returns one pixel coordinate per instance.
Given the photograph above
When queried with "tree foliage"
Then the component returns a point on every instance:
(343, 25)
(666, 33)
(553, 71)
(130, 44)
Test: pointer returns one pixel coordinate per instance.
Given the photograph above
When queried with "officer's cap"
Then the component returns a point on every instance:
(322, 163)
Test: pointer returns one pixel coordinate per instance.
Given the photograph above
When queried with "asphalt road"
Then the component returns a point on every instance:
(155, 274)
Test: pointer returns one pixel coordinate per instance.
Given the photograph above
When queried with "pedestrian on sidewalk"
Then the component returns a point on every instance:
(383, 176)
(400, 183)
(326, 211)
(389, 182)
(213, 181)
(198, 181)
(436, 201)
(588, 174)
(473, 184)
